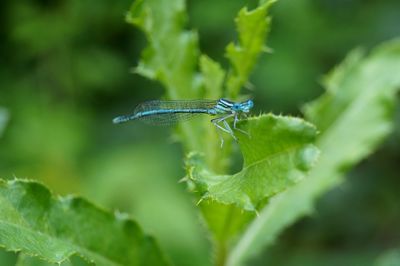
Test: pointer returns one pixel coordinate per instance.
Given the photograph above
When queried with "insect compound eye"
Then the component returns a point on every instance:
(236, 107)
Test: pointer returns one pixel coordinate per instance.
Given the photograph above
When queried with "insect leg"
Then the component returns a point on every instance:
(236, 119)
(215, 122)
(229, 129)
(226, 129)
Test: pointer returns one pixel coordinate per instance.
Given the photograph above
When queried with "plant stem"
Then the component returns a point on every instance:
(222, 242)
(221, 254)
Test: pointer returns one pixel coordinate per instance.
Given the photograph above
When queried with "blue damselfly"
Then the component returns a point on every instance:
(169, 112)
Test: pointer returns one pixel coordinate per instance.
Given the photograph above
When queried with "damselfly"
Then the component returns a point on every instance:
(169, 112)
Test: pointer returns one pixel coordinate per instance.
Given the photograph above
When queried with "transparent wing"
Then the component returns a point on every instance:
(170, 118)
(167, 119)
(181, 104)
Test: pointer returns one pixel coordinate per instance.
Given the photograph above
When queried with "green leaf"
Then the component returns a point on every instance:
(172, 52)
(278, 154)
(171, 56)
(25, 260)
(365, 89)
(213, 77)
(252, 27)
(389, 258)
(54, 229)
(3, 119)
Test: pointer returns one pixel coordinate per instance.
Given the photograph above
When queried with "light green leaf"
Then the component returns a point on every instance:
(25, 260)
(3, 119)
(54, 229)
(213, 77)
(172, 52)
(171, 56)
(252, 27)
(365, 89)
(278, 154)
(389, 258)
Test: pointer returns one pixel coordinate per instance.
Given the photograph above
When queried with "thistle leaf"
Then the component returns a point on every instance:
(253, 27)
(277, 154)
(355, 115)
(54, 229)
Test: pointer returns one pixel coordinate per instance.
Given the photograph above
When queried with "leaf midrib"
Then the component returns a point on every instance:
(28, 229)
(107, 261)
(271, 156)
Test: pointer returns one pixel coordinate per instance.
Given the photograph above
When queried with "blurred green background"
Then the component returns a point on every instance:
(65, 73)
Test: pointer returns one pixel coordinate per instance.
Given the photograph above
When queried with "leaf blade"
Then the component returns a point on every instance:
(252, 27)
(3, 119)
(54, 229)
(276, 156)
(339, 151)
(171, 56)
(172, 52)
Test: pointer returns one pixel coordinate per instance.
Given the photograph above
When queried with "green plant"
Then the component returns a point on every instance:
(288, 162)
(3, 119)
